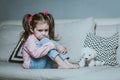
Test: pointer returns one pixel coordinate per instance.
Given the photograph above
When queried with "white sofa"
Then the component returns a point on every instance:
(73, 34)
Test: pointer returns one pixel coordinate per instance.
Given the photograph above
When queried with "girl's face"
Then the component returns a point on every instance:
(41, 30)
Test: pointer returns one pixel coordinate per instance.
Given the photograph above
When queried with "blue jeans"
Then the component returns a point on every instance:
(46, 61)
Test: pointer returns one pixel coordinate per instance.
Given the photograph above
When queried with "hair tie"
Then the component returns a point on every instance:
(46, 12)
(30, 18)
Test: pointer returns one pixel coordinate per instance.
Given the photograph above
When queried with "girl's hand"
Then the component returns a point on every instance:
(62, 49)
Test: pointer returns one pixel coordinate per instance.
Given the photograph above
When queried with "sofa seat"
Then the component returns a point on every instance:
(13, 71)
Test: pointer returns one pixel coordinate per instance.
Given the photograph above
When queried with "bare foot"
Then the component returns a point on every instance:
(64, 66)
(73, 66)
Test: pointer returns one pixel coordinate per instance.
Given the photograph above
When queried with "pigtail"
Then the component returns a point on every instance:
(52, 27)
(26, 26)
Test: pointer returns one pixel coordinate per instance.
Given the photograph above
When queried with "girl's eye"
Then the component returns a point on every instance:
(40, 30)
(43, 30)
(46, 30)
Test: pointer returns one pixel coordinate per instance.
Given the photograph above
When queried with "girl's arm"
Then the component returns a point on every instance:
(36, 51)
(60, 48)
(56, 44)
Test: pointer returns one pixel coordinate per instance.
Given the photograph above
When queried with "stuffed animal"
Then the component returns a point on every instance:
(88, 58)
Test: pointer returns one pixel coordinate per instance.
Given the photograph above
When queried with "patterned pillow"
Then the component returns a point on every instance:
(106, 47)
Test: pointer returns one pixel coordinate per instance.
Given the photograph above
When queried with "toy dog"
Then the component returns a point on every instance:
(88, 58)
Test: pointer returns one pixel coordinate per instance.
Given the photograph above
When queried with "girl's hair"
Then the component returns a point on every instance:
(31, 24)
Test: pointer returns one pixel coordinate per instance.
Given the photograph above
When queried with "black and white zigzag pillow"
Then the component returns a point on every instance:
(106, 47)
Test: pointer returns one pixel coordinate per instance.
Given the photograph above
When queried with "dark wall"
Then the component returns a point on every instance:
(61, 9)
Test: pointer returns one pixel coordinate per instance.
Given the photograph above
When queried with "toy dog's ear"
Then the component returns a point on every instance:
(86, 63)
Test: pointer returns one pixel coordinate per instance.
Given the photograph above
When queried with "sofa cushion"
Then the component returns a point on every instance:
(118, 50)
(106, 47)
(108, 29)
(10, 35)
(73, 34)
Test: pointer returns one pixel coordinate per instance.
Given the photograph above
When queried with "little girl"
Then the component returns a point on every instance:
(40, 48)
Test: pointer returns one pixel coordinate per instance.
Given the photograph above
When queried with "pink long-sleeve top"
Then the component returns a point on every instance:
(30, 48)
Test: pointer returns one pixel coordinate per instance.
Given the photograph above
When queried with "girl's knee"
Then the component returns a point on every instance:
(45, 40)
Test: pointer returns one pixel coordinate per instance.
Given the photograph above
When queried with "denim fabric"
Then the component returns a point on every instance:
(53, 53)
(38, 63)
(47, 61)
(41, 63)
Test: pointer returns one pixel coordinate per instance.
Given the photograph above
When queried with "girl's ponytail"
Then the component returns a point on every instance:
(26, 26)
(49, 18)
(52, 27)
